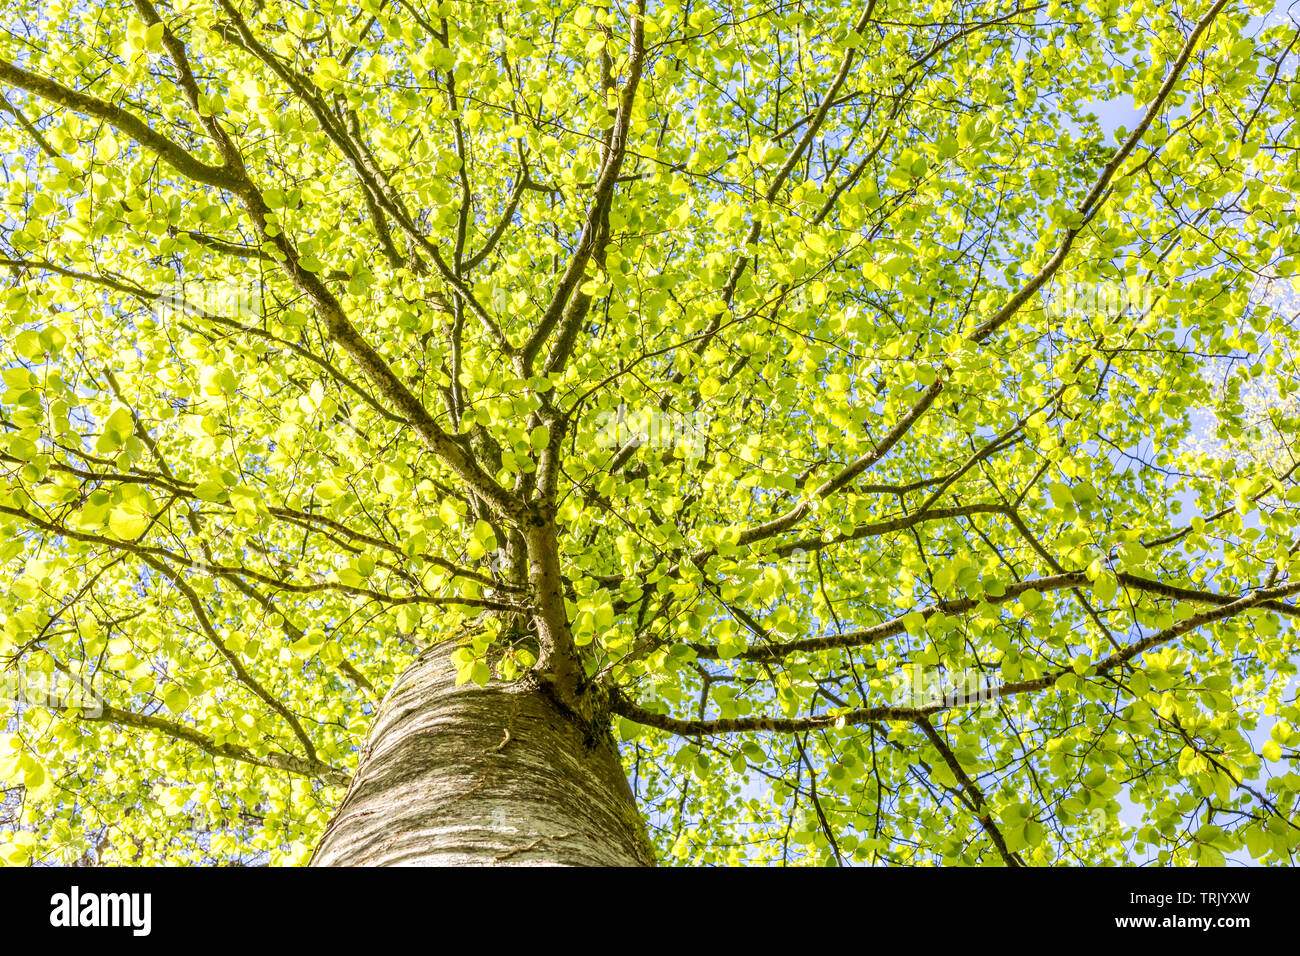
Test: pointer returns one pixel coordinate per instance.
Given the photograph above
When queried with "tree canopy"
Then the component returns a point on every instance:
(813, 393)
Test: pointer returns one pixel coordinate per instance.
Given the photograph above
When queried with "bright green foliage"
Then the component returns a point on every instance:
(856, 275)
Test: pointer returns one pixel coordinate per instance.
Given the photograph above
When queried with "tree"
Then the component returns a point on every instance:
(523, 432)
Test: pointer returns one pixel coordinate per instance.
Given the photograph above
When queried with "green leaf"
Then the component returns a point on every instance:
(330, 489)
(177, 700)
(1105, 587)
(28, 344)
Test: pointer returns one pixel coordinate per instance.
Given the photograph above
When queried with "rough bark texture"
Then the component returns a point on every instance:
(493, 775)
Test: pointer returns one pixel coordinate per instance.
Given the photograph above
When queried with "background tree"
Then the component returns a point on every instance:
(660, 393)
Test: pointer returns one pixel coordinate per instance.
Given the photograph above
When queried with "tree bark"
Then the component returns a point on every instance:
(495, 775)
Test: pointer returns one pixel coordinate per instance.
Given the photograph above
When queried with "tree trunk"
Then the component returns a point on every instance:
(494, 775)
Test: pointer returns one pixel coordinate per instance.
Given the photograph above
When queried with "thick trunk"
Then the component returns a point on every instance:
(493, 775)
